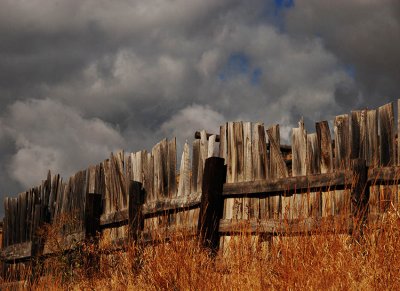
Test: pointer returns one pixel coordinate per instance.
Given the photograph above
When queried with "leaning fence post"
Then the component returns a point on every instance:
(359, 195)
(136, 200)
(211, 207)
(92, 227)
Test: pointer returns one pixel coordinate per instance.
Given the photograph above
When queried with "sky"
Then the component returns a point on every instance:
(82, 78)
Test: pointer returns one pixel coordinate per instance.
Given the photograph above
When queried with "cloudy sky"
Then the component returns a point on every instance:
(81, 78)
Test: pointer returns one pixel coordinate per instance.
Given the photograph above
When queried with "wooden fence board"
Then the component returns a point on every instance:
(342, 160)
(314, 201)
(387, 194)
(326, 165)
(277, 169)
(298, 202)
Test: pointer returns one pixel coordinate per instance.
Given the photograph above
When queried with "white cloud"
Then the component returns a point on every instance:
(50, 135)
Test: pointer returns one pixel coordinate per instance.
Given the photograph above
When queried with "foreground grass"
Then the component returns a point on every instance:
(328, 262)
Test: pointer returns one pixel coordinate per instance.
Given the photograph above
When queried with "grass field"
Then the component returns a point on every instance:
(313, 262)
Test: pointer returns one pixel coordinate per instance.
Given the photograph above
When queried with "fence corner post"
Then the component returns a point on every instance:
(92, 227)
(212, 203)
(359, 196)
(135, 218)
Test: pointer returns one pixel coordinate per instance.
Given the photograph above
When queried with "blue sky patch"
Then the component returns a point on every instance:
(239, 64)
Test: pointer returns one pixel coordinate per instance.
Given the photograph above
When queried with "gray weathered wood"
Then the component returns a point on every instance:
(342, 141)
(171, 167)
(298, 202)
(387, 135)
(195, 164)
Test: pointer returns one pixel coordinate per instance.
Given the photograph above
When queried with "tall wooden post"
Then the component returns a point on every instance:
(211, 207)
(136, 200)
(359, 195)
(92, 227)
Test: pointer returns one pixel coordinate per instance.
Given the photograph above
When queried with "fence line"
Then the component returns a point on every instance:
(256, 185)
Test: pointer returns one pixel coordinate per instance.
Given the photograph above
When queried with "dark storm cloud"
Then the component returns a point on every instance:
(362, 34)
(81, 78)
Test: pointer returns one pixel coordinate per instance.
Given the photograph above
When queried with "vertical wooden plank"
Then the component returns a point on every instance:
(387, 152)
(372, 155)
(249, 204)
(7, 222)
(325, 146)
(313, 155)
(211, 146)
(313, 168)
(164, 161)
(342, 161)
(223, 146)
(342, 141)
(158, 171)
(184, 172)
(386, 137)
(299, 168)
(359, 141)
(326, 165)
(299, 150)
(195, 164)
(238, 167)
(202, 157)
(260, 163)
(278, 169)
(171, 165)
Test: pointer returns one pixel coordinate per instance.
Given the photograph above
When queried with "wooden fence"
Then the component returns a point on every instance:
(241, 180)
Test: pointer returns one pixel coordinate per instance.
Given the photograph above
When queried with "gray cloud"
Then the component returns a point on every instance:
(79, 79)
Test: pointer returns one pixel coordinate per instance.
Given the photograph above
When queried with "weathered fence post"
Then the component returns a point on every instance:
(136, 200)
(212, 203)
(37, 243)
(359, 196)
(92, 227)
(135, 219)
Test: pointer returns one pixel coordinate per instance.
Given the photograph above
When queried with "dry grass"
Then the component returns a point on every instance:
(315, 262)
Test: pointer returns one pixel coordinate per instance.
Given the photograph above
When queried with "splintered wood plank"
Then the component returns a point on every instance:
(202, 158)
(359, 141)
(184, 173)
(249, 204)
(107, 193)
(342, 161)
(171, 166)
(386, 137)
(372, 157)
(239, 165)
(211, 146)
(164, 165)
(313, 167)
(149, 177)
(342, 141)
(260, 163)
(158, 171)
(260, 159)
(326, 165)
(299, 168)
(223, 146)
(313, 154)
(387, 152)
(278, 169)
(195, 164)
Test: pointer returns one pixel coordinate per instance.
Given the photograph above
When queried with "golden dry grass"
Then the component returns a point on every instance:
(313, 262)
